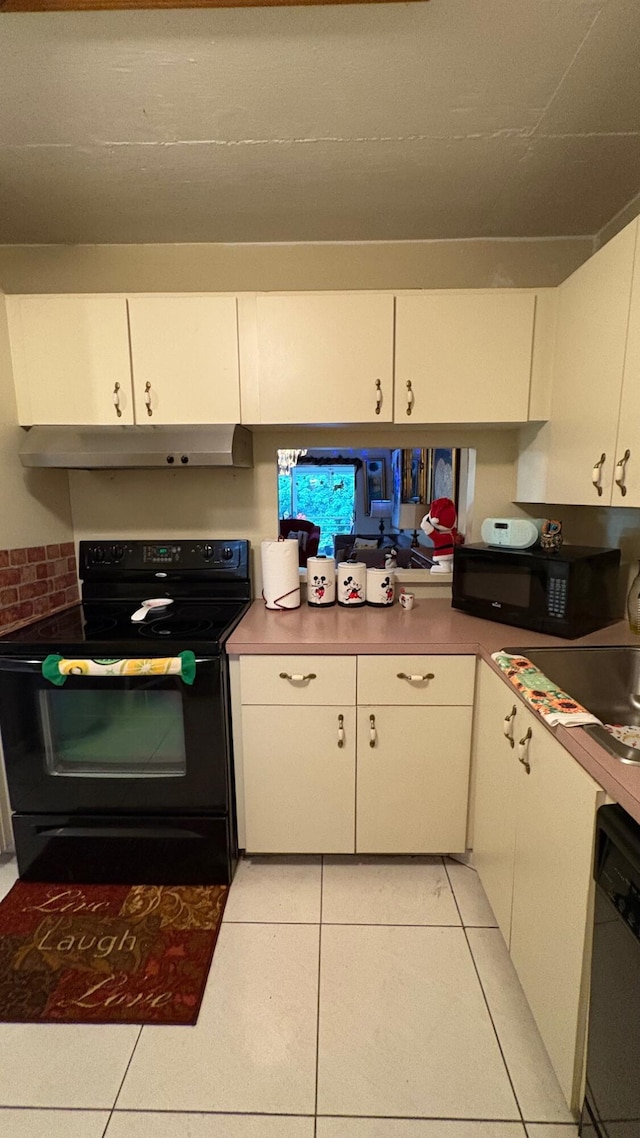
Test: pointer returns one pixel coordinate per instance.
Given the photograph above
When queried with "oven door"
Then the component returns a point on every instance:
(141, 745)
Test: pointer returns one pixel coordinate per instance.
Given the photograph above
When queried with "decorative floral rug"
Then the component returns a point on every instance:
(107, 953)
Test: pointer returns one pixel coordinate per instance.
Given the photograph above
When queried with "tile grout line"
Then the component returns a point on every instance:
(315, 1102)
(484, 996)
(126, 1071)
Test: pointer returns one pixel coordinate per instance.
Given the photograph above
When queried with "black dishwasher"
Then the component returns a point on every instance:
(612, 1103)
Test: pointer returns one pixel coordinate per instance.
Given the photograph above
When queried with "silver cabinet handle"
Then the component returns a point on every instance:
(410, 397)
(297, 678)
(523, 751)
(147, 398)
(507, 728)
(622, 467)
(341, 730)
(372, 731)
(596, 474)
(116, 400)
(416, 679)
(378, 396)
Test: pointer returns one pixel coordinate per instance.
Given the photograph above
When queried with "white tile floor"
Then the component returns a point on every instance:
(347, 999)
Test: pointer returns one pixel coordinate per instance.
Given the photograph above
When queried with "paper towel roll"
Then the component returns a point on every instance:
(280, 576)
(321, 581)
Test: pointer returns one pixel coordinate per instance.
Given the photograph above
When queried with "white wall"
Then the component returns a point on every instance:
(34, 505)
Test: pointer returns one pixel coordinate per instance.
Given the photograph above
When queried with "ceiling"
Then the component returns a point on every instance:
(447, 119)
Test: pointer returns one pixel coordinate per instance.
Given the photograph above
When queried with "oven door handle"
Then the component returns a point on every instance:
(18, 664)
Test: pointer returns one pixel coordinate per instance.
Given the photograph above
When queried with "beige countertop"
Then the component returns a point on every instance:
(432, 626)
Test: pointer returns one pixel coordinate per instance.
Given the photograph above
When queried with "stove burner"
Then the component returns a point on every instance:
(176, 628)
(98, 625)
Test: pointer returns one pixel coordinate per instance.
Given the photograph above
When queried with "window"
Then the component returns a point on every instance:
(323, 494)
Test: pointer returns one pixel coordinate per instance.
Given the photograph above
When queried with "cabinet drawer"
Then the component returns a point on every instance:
(381, 679)
(332, 679)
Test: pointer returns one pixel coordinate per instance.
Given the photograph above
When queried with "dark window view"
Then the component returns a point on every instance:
(114, 734)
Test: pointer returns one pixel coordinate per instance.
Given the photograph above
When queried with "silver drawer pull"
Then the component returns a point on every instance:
(341, 730)
(507, 729)
(372, 731)
(416, 679)
(297, 678)
(378, 396)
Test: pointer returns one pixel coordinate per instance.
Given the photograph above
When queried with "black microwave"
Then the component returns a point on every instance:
(566, 593)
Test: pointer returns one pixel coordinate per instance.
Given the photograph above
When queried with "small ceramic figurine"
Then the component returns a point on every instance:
(391, 559)
(440, 525)
(551, 537)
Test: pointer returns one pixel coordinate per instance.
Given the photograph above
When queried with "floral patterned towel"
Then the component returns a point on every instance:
(629, 735)
(558, 708)
(57, 670)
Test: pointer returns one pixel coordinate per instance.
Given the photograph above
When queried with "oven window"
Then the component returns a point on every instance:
(113, 734)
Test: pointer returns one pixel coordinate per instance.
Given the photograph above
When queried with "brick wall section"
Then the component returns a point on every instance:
(36, 581)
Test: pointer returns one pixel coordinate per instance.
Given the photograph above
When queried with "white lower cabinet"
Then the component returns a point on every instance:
(413, 781)
(299, 778)
(320, 776)
(534, 823)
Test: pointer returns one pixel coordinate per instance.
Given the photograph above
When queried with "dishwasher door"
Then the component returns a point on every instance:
(612, 1104)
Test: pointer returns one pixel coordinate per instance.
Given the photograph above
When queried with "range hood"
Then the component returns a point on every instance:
(119, 448)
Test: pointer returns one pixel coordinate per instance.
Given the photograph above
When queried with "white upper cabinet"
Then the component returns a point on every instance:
(324, 358)
(577, 457)
(464, 357)
(70, 359)
(184, 357)
(626, 475)
(593, 316)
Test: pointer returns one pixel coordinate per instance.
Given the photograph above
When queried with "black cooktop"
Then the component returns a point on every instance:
(185, 624)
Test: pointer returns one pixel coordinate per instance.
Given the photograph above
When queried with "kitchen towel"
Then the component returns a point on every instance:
(557, 708)
(280, 575)
(57, 669)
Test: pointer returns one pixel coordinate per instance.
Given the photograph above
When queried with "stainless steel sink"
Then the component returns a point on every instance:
(604, 680)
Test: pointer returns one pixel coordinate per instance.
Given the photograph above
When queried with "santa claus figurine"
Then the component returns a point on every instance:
(440, 525)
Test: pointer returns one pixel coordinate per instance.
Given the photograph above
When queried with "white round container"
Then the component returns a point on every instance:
(321, 582)
(280, 575)
(381, 587)
(352, 584)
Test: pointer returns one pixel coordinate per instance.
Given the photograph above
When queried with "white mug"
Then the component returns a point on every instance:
(406, 600)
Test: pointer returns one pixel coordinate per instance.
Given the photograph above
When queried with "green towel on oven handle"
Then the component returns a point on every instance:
(51, 668)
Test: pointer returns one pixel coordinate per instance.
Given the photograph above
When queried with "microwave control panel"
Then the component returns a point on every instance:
(557, 597)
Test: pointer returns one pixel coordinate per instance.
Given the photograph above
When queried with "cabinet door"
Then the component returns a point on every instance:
(184, 353)
(413, 783)
(593, 311)
(299, 782)
(466, 356)
(626, 491)
(494, 783)
(70, 359)
(552, 895)
(325, 358)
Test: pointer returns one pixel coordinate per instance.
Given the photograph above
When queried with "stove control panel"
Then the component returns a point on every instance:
(113, 558)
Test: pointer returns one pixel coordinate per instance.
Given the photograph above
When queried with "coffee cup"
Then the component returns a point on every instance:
(406, 600)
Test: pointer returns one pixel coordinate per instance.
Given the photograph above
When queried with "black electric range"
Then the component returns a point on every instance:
(124, 773)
